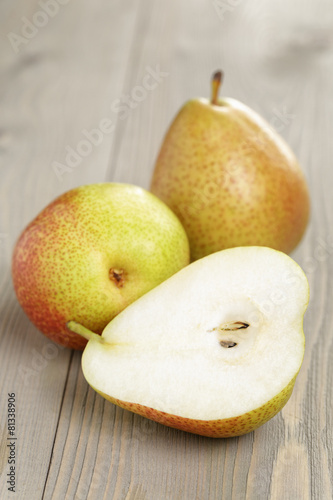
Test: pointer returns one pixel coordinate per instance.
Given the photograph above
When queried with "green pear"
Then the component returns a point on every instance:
(214, 350)
(92, 252)
(230, 178)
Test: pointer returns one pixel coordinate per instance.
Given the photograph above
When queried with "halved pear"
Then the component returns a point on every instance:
(214, 350)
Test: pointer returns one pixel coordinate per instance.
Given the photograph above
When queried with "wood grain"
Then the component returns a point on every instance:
(277, 57)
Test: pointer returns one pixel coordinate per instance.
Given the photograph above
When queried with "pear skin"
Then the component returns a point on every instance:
(90, 253)
(230, 178)
(228, 427)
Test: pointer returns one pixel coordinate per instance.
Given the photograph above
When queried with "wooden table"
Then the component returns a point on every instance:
(63, 67)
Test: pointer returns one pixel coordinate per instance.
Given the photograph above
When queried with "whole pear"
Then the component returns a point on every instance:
(230, 178)
(90, 253)
(214, 350)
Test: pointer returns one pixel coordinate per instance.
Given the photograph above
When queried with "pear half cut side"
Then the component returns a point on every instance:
(214, 350)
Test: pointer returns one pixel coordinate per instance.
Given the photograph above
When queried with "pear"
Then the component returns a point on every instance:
(90, 253)
(230, 178)
(214, 350)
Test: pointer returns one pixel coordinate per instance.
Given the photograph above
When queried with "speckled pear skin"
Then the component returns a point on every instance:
(92, 252)
(231, 179)
(228, 427)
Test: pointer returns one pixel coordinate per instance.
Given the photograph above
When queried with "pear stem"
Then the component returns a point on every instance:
(216, 82)
(83, 331)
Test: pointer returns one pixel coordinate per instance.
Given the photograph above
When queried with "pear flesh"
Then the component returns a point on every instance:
(213, 350)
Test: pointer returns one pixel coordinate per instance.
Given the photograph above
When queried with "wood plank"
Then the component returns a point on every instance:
(58, 84)
(277, 58)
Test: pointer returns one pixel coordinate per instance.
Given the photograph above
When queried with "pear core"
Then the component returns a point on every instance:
(219, 339)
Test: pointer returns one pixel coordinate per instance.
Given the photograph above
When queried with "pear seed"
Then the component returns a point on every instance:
(236, 325)
(228, 343)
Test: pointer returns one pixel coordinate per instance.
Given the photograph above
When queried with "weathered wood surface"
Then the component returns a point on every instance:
(64, 77)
